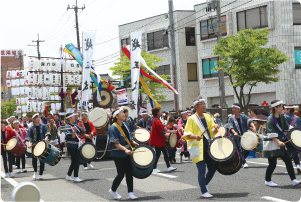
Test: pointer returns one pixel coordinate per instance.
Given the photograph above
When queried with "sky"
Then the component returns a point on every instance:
(21, 21)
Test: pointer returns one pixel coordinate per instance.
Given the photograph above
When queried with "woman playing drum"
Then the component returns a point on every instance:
(6, 135)
(274, 147)
(120, 143)
(21, 134)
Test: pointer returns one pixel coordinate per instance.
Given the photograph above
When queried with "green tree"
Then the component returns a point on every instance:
(247, 62)
(122, 69)
(3, 112)
(10, 107)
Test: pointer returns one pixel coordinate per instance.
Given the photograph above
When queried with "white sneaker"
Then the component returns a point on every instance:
(207, 195)
(286, 172)
(85, 168)
(76, 179)
(6, 175)
(24, 170)
(41, 177)
(11, 175)
(270, 184)
(114, 194)
(245, 165)
(171, 169)
(14, 166)
(296, 182)
(189, 160)
(63, 155)
(69, 178)
(18, 171)
(35, 174)
(90, 165)
(156, 170)
(131, 196)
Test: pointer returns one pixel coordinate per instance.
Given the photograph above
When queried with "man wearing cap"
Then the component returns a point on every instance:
(295, 122)
(200, 128)
(238, 125)
(145, 122)
(6, 135)
(89, 135)
(37, 132)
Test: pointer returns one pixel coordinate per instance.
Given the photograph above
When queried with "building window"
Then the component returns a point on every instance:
(190, 36)
(209, 28)
(296, 14)
(157, 40)
(192, 72)
(125, 42)
(253, 18)
(1, 80)
(2, 95)
(208, 65)
(298, 58)
(163, 70)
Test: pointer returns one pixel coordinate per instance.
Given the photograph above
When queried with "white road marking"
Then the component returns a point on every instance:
(274, 199)
(12, 181)
(165, 175)
(266, 164)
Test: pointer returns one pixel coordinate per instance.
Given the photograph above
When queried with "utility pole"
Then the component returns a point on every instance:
(76, 21)
(38, 46)
(20, 58)
(173, 51)
(216, 4)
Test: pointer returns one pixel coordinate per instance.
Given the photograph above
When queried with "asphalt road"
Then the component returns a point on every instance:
(181, 185)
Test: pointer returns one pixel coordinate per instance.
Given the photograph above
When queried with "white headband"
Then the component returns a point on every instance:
(236, 106)
(37, 114)
(289, 107)
(200, 100)
(70, 116)
(12, 117)
(276, 104)
(117, 112)
(185, 112)
(145, 113)
(16, 121)
(85, 113)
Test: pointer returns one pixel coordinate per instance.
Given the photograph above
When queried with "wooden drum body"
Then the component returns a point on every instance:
(47, 153)
(87, 152)
(252, 142)
(16, 147)
(143, 160)
(225, 155)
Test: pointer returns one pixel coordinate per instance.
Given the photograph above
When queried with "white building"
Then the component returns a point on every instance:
(195, 39)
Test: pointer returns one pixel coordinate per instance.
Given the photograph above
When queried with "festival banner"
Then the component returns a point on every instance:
(122, 97)
(88, 48)
(135, 68)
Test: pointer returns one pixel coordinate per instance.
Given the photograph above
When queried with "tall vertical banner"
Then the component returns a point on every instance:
(135, 68)
(88, 48)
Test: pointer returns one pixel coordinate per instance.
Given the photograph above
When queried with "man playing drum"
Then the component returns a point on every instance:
(273, 147)
(36, 133)
(199, 130)
(6, 135)
(129, 122)
(89, 134)
(145, 122)
(294, 121)
(157, 139)
(238, 125)
(172, 150)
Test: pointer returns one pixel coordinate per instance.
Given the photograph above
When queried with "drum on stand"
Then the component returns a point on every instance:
(131, 113)
(28, 151)
(143, 160)
(294, 146)
(99, 117)
(47, 153)
(252, 141)
(225, 155)
(171, 140)
(16, 147)
(141, 136)
(87, 152)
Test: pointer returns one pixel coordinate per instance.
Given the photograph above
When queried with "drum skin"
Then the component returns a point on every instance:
(87, 152)
(47, 153)
(28, 151)
(171, 140)
(225, 155)
(15, 147)
(99, 117)
(294, 146)
(142, 162)
(252, 141)
(141, 136)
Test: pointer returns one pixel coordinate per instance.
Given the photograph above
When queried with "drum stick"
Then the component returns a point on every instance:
(138, 151)
(287, 141)
(204, 130)
(3, 144)
(96, 119)
(136, 133)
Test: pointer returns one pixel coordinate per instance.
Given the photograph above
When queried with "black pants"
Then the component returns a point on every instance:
(14, 160)
(246, 153)
(123, 165)
(296, 160)
(85, 164)
(62, 145)
(185, 152)
(74, 166)
(158, 154)
(18, 161)
(10, 161)
(35, 165)
(273, 163)
(172, 154)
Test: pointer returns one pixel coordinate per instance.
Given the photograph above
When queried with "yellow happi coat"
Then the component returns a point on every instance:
(196, 147)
